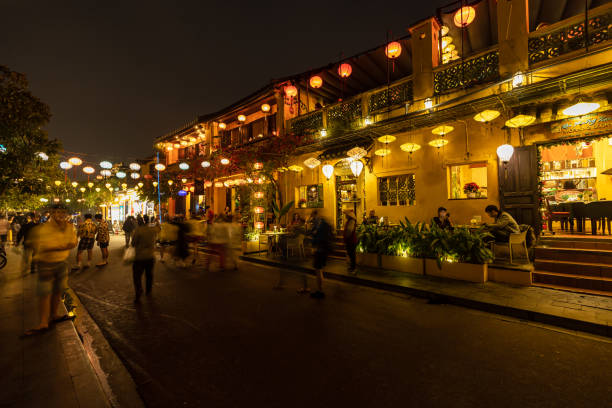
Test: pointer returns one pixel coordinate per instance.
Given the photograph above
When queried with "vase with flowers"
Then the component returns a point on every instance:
(472, 190)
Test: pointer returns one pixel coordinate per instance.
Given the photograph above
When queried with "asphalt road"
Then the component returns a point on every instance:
(227, 339)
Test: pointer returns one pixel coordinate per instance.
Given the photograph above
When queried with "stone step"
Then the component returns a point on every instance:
(572, 281)
(574, 268)
(597, 244)
(598, 256)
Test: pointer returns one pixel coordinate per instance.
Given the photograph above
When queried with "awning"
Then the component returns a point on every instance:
(341, 151)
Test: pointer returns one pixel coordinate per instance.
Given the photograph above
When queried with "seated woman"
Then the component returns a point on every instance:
(443, 219)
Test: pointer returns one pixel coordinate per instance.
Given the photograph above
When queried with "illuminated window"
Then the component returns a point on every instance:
(396, 190)
(309, 196)
(467, 181)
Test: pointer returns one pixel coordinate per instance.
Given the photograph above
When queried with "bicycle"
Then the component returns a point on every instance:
(2, 256)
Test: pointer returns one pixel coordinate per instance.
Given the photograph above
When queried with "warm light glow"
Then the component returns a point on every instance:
(89, 170)
(90, 184)
(442, 130)
(205, 164)
(184, 143)
(57, 183)
(155, 184)
(134, 166)
(98, 189)
(225, 161)
(410, 147)
(438, 143)
(520, 121)
(464, 16)
(367, 121)
(183, 180)
(382, 152)
(218, 184)
(43, 200)
(258, 165)
(43, 156)
(75, 161)
(356, 153)
(486, 115)
(121, 174)
(170, 182)
(312, 162)
(504, 152)
(428, 103)
(518, 79)
(446, 40)
(356, 167)
(105, 173)
(169, 148)
(106, 165)
(323, 132)
(393, 50)
(82, 189)
(140, 184)
(259, 225)
(291, 91)
(316, 81)
(123, 185)
(184, 166)
(345, 70)
(177, 145)
(192, 189)
(295, 168)
(328, 171)
(208, 184)
(443, 30)
(65, 165)
(74, 184)
(160, 167)
(265, 107)
(107, 185)
(581, 108)
(259, 194)
(241, 118)
(449, 49)
(67, 200)
(258, 210)
(222, 125)
(135, 176)
(387, 139)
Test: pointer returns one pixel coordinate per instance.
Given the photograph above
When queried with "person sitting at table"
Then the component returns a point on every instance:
(372, 218)
(503, 226)
(443, 219)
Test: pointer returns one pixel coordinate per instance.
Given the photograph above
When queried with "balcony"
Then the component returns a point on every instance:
(476, 70)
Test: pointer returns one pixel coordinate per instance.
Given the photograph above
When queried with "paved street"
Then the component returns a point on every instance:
(228, 339)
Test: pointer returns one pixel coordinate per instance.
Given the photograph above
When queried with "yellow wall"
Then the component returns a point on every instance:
(603, 161)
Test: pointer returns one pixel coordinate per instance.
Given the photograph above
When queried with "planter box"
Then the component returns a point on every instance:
(457, 270)
(371, 260)
(508, 275)
(403, 264)
(251, 246)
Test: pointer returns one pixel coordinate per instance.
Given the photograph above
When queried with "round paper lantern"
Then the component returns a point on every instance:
(291, 91)
(184, 143)
(225, 161)
(258, 210)
(410, 147)
(316, 81)
(160, 167)
(107, 185)
(222, 125)
(121, 174)
(382, 152)
(89, 170)
(328, 171)
(155, 184)
(504, 152)
(259, 194)
(265, 107)
(386, 139)
(184, 166)
(90, 184)
(74, 184)
(356, 168)
(444, 30)
(442, 130)
(140, 184)
(312, 162)
(57, 183)
(170, 182)
(97, 189)
(241, 118)
(183, 180)
(82, 189)
(464, 16)
(106, 164)
(177, 145)
(75, 161)
(393, 49)
(42, 155)
(105, 173)
(218, 184)
(486, 115)
(208, 184)
(345, 70)
(135, 176)
(581, 108)
(134, 166)
(438, 143)
(259, 225)
(520, 121)
(205, 164)
(65, 165)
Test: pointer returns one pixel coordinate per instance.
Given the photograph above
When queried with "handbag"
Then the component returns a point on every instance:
(129, 255)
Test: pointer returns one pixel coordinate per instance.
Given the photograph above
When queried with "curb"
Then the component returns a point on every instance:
(523, 314)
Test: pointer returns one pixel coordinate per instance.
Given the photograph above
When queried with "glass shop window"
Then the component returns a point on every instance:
(310, 196)
(396, 190)
(467, 181)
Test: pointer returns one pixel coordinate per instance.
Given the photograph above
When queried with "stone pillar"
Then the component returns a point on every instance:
(512, 34)
(280, 112)
(425, 57)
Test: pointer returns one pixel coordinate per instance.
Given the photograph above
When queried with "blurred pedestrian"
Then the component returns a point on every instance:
(234, 246)
(129, 225)
(24, 237)
(218, 237)
(322, 242)
(103, 238)
(87, 237)
(168, 236)
(350, 238)
(144, 259)
(181, 250)
(4, 228)
(15, 227)
(52, 242)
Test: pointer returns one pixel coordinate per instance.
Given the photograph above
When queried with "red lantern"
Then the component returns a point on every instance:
(345, 70)
(291, 91)
(258, 210)
(316, 81)
(464, 16)
(259, 225)
(393, 50)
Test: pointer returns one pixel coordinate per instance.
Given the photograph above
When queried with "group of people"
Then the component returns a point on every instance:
(89, 232)
(504, 224)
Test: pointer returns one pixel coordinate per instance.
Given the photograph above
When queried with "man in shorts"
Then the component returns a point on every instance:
(87, 238)
(52, 242)
(103, 238)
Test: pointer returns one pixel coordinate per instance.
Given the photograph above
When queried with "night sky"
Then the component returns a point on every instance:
(119, 73)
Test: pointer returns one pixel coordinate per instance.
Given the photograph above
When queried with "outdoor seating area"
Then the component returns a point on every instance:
(573, 216)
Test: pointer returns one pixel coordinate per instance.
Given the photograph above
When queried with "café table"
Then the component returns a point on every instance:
(579, 211)
(274, 241)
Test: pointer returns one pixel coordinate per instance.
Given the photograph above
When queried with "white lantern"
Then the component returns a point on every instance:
(106, 165)
(160, 167)
(225, 161)
(328, 171)
(518, 79)
(356, 153)
(312, 162)
(356, 167)
(65, 165)
(205, 164)
(121, 174)
(43, 156)
(135, 176)
(184, 166)
(134, 166)
(88, 170)
(428, 103)
(105, 173)
(504, 152)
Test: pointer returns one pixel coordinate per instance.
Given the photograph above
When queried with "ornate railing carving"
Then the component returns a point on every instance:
(478, 70)
(395, 95)
(307, 124)
(344, 114)
(569, 38)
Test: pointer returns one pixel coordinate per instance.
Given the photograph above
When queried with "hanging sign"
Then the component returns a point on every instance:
(586, 125)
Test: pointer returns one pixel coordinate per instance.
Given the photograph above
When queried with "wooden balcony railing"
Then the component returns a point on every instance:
(480, 69)
(390, 97)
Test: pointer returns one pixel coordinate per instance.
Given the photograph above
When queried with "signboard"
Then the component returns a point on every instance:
(587, 125)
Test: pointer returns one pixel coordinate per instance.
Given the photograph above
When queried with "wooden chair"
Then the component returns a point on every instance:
(551, 215)
(519, 238)
(296, 244)
(600, 212)
(264, 240)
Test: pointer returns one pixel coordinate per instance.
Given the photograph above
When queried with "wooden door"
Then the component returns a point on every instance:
(518, 186)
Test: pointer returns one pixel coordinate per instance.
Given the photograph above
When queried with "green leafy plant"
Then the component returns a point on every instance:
(279, 213)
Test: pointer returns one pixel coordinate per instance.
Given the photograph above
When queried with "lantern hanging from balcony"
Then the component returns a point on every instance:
(259, 194)
(224, 161)
(291, 91)
(258, 165)
(464, 16)
(312, 162)
(393, 50)
(241, 118)
(410, 147)
(328, 171)
(356, 153)
(520, 121)
(97, 189)
(438, 143)
(486, 115)
(265, 107)
(316, 81)
(356, 167)
(184, 166)
(387, 139)
(581, 108)
(155, 184)
(382, 152)
(442, 130)
(345, 70)
(205, 164)
(258, 210)
(504, 152)
(160, 167)
(222, 125)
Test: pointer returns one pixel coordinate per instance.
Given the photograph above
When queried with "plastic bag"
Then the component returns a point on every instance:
(129, 255)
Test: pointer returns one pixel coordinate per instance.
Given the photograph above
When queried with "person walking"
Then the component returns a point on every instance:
(103, 238)
(52, 242)
(322, 242)
(129, 225)
(350, 238)
(23, 237)
(87, 237)
(144, 258)
(5, 226)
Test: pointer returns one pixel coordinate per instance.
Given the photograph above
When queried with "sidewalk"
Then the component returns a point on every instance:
(574, 311)
(48, 370)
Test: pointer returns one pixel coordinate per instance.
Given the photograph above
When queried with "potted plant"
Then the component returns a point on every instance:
(368, 243)
(471, 190)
